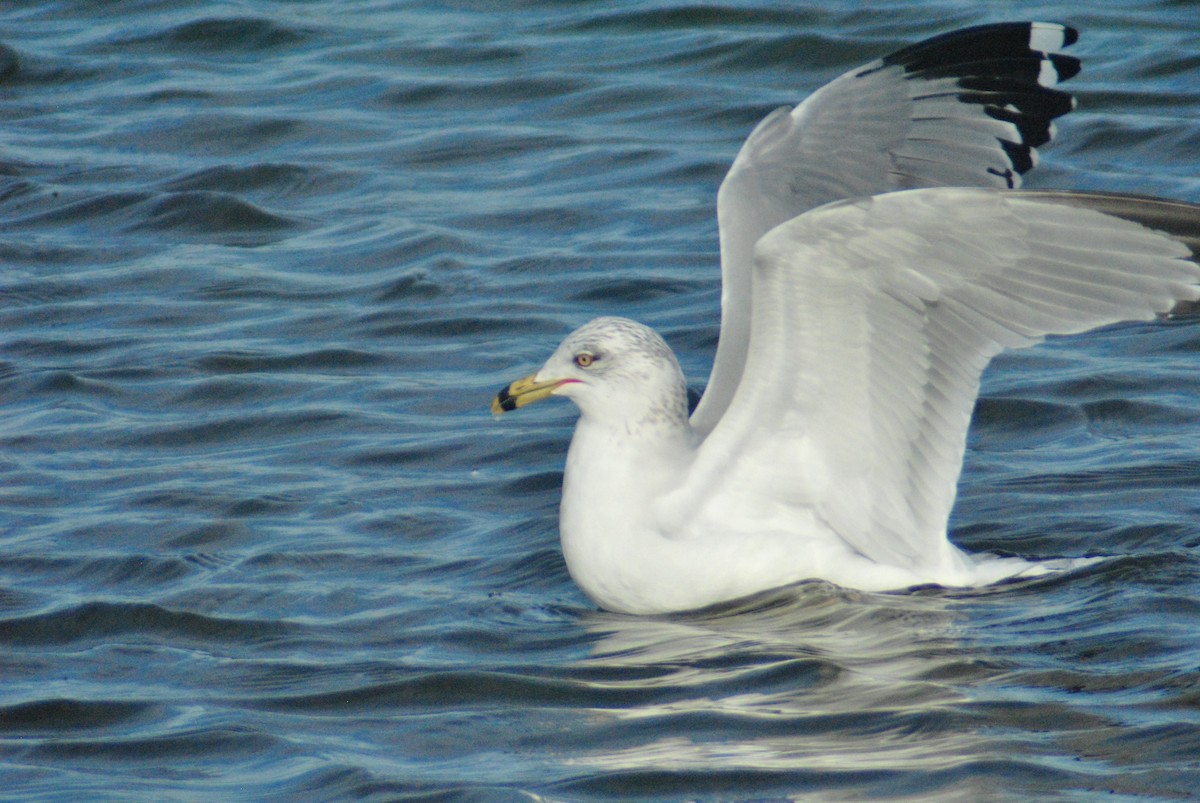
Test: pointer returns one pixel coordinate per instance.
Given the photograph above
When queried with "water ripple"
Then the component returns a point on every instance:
(260, 538)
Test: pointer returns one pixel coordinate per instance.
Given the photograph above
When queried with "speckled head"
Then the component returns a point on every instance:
(612, 368)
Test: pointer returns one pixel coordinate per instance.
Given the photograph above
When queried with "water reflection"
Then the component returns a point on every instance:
(813, 678)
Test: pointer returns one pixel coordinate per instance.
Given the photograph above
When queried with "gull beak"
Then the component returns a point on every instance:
(525, 391)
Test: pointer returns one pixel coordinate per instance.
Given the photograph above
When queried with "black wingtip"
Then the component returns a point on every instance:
(979, 43)
(1067, 67)
(1007, 71)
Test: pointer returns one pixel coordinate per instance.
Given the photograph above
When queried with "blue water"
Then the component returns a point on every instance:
(262, 267)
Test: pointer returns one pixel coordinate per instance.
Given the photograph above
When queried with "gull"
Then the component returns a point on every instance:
(876, 253)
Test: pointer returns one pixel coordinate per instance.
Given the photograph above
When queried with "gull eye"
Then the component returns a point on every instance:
(584, 359)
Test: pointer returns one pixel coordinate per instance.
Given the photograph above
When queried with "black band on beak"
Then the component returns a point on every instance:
(506, 401)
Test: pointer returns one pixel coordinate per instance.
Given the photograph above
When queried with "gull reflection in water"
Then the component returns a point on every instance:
(809, 679)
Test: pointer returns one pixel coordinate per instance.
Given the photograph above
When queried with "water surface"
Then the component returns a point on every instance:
(262, 267)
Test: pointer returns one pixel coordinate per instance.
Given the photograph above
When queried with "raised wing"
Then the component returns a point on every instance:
(967, 108)
(873, 322)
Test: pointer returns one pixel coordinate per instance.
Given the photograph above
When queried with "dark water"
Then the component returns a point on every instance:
(262, 267)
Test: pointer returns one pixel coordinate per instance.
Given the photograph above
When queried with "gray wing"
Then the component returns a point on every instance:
(967, 108)
(874, 320)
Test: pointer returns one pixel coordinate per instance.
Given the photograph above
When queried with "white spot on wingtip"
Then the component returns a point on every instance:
(1048, 74)
(1046, 37)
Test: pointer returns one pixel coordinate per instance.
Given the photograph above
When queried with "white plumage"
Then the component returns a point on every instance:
(834, 444)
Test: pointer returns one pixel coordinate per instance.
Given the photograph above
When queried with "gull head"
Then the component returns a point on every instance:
(614, 369)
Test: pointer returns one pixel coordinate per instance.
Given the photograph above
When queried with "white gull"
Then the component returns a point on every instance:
(830, 438)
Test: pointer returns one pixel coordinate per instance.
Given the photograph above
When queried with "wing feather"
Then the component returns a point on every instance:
(967, 108)
(873, 322)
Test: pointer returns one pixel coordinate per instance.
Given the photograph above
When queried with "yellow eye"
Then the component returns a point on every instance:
(583, 359)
